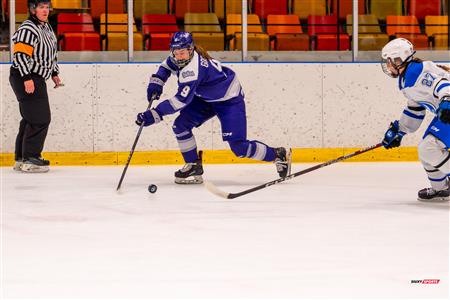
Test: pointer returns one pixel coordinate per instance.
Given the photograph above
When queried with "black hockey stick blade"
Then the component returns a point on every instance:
(153, 98)
(215, 190)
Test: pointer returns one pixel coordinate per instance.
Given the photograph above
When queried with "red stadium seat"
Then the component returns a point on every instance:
(324, 32)
(346, 8)
(190, 6)
(81, 41)
(287, 33)
(77, 32)
(158, 30)
(262, 8)
(421, 8)
(74, 22)
(114, 7)
(21, 6)
(407, 27)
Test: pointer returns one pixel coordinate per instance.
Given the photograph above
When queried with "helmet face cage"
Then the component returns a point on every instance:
(386, 70)
(181, 40)
(397, 63)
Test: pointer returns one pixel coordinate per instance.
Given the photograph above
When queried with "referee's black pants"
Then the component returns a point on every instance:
(35, 111)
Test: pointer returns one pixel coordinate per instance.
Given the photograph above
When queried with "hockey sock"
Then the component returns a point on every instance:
(188, 146)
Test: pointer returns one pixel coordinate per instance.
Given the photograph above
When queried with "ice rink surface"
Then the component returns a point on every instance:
(350, 230)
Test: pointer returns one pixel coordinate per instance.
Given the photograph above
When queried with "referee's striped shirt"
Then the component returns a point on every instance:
(35, 50)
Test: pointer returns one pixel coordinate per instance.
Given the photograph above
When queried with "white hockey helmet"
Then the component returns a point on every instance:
(398, 53)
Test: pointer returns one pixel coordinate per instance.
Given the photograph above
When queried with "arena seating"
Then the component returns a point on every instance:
(233, 7)
(346, 8)
(406, 27)
(437, 28)
(384, 8)
(114, 7)
(421, 8)
(324, 30)
(206, 31)
(77, 32)
(143, 7)
(158, 30)
(370, 36)
(289, 25)
(117, 34)
(257, 40)
(67, 4)
(305, 8)
(262, 8)
(190, 6)
(286, 33)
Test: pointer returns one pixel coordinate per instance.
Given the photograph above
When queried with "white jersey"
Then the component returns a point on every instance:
(424, 84)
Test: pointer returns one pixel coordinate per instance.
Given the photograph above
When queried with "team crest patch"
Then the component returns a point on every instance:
(188, 74)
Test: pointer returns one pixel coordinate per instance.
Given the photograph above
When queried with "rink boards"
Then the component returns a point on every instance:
(320, 109)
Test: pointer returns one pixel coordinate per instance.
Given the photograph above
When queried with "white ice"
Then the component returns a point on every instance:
(350, 230)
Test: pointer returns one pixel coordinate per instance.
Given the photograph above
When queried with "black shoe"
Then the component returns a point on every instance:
(38, 161)
(431, 195)
(35, 165)
(191, 173)
(282, 161)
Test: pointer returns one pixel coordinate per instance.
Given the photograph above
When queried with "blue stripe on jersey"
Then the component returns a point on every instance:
(442, 86)
(411, 74)
(410, 114)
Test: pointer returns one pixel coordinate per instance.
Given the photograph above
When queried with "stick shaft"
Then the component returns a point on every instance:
(313, 168)
(133, 147)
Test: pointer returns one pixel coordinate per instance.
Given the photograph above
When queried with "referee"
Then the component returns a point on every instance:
(35, 50)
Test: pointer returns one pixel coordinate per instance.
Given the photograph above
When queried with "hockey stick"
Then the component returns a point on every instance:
(134, 145)
(215, 190)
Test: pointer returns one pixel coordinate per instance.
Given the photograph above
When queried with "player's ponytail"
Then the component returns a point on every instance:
(440, 66)
(202, 52)
(444, 67)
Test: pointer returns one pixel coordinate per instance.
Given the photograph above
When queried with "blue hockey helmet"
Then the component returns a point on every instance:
(182, 40)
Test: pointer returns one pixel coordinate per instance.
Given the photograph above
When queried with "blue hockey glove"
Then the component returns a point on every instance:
(155, 86)
(148, 117)
(444, 110)
(393, 136)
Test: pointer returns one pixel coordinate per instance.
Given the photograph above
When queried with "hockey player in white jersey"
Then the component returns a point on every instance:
(427, 88)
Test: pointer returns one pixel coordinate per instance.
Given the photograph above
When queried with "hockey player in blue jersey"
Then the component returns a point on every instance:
(205, 89)
(427, 88)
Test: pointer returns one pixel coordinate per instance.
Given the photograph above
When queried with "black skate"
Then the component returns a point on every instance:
(431, 195)
(35, 165)
(283, 161)
(191, 173)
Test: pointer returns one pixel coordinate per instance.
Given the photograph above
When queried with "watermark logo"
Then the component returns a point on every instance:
(425, 281)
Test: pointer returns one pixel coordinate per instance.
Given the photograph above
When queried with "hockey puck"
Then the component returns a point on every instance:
(152, 188)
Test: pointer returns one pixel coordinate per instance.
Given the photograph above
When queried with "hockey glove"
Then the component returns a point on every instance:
(393, 136)
(155, 86)
(148, 117)
(444, 110)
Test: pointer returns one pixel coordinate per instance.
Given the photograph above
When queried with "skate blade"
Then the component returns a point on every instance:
(190, 180)
(434, 200)
(17, 167)
(34, 169)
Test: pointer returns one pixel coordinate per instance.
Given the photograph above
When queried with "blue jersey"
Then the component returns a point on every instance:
(204, 78)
